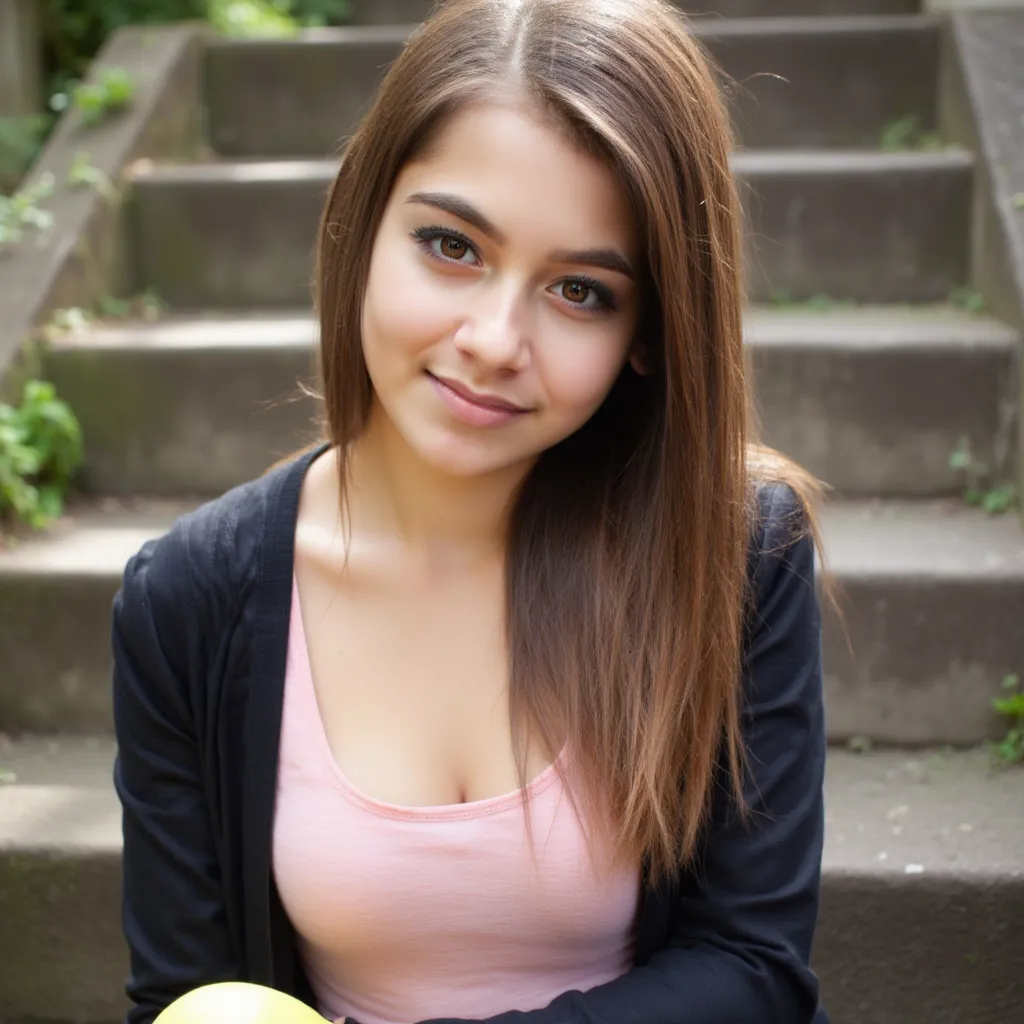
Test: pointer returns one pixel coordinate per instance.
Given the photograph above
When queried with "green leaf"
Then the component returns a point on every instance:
(960, 459)
(51, 502)
(1000, 500)
(112, 307)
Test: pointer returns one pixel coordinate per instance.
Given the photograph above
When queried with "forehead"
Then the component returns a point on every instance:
(526, 175)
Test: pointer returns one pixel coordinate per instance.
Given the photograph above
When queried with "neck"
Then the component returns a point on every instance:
(392, 490)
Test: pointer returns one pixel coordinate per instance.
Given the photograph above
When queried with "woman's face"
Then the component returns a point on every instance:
(502, 293)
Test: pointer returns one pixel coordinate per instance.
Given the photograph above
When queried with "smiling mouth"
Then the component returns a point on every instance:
(489, 402)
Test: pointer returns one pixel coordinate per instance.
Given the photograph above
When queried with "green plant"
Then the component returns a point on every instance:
(83, 173)
(21, 211)
(815, 303)
(906, 133)
(1018, 200)
(1010, 749)
(20, 141)
(113, 90)
(981, 491)
(147, 305)
(968, 299)
(40, 448)
(251, 18)
(69, 321)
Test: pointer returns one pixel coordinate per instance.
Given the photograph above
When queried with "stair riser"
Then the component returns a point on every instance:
(203, 420)
(870, 423)
(912, 950)
(921, 659)
(883, 422)
(406, 12)
(921, 950)
(234, 243)
(928, 656)
(300, 99)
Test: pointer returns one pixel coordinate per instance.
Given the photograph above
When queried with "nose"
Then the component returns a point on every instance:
(493, 336)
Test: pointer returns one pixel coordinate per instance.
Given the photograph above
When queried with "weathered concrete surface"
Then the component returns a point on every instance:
(872, 400)
(934, 946)
(229, 236)
(80, 257)
(55, 601)
(874, 227)
(933, 600)
(982, 107)
(187, 407)
(792, 82)
(850, 225)
(933, 597)
(939, 945)
(405, 12)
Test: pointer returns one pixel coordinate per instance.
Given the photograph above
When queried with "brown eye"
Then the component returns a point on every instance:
(575, 292)
(453, 248)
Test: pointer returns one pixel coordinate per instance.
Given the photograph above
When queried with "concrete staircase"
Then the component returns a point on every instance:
(866, 373)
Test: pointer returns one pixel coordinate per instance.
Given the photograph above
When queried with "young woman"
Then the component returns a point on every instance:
(505, 701)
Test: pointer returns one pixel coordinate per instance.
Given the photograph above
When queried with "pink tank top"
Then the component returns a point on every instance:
(409, 913)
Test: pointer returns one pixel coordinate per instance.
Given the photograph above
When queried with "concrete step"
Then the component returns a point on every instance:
(882, 227)
(299, 97)
(212, 400)
(923, 888)
(933, 597)
(405, 12)
(872, 399)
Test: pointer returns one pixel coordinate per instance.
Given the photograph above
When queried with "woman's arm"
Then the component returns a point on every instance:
(742, 929)
(173, 908)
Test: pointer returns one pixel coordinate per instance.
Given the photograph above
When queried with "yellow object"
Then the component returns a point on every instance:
(237, 1002)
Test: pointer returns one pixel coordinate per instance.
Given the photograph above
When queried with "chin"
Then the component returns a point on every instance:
(464, 458)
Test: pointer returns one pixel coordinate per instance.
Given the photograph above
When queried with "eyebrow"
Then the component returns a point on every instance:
(604, 259)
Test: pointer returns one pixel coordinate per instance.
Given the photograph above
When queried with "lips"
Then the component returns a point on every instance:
(492, 402)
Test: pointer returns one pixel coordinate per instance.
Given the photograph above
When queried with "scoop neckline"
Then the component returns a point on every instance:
(383, 808)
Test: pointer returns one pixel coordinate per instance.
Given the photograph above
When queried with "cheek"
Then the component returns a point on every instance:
(404, 310)
(579, 373)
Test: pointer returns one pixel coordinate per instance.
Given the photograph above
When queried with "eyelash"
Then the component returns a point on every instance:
(425, 235)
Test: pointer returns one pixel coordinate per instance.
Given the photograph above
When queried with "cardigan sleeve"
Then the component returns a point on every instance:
(741, 931)
(173, 911)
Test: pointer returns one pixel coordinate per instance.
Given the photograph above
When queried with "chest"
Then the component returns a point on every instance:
(411, 683)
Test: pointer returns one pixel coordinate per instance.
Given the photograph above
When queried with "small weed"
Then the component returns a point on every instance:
(6, 778)
(147, 305)
(70, 321)
(21, 211)
(859, 744)
(981, 491)
(816, 303)
(113, 90)
(1010, 749)
(40, 448)
(1018, 201)
(905, 133)
(967, 299)
(84, 174)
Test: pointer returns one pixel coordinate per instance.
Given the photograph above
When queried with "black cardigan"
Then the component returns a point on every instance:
(200, 634)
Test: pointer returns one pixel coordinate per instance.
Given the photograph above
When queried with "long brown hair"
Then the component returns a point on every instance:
(627, 572)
